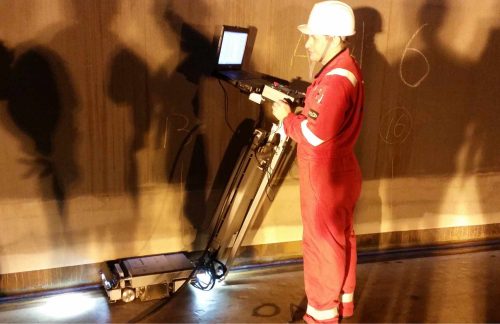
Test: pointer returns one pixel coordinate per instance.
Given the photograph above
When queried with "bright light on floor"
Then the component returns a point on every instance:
(67, 305)
(203, 277)
(204, 299)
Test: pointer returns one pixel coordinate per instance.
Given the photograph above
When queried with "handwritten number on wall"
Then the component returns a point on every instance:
(396, 126)
(405, 53)
(183, 128)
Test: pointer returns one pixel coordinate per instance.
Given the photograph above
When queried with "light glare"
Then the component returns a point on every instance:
(203, 277)
(67, 305)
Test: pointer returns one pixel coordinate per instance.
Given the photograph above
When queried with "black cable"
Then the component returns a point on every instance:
(226, 107)
(179, 151)
(208, 262)
(213, 269)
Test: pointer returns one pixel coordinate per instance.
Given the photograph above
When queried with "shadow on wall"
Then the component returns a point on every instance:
(41, 106)
(422, 106)
(173, 98)
(188, 149)
(179, 94)
(184, 114)
(374, 67)
(40, 112)
(434, 121)
(485, 108)
(128, 86)
(6, 59)
(430, 114)
(437, 120)
(489, 82)
(486, 114)
(39, 96)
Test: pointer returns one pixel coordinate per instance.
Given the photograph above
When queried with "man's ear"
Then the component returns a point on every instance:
(334, 40)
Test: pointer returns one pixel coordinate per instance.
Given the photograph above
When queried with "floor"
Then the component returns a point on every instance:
(459, 286)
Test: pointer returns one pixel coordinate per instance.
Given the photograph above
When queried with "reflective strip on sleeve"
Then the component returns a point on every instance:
(347, 298)
(345, 73)
(310, 137)
(322, 315)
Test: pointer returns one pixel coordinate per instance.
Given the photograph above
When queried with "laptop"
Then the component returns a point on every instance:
(231, 50)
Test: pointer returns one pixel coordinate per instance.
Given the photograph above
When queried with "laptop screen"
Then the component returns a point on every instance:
(232, 45)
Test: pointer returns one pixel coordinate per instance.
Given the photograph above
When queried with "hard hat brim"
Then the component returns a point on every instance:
(304, 29)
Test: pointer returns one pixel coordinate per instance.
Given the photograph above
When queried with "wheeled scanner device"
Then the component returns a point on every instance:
(158, 276)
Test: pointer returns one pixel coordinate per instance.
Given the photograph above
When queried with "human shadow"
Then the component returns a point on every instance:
(40, 108)
(128, 87)
(186, 162)
(41, 103)
(112, 135)
(486, 116)
(434, 99)
(374, 67)
(424, 133)
(485, 109)
(126, 82)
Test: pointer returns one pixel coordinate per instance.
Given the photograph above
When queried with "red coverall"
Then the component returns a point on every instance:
(330, 181)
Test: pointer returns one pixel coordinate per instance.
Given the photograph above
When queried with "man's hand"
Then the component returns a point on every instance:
(281, 109)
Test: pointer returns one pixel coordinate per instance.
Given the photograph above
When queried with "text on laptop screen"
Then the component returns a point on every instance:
(232, 47)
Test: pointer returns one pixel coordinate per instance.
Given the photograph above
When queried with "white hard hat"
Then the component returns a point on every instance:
(332, 18)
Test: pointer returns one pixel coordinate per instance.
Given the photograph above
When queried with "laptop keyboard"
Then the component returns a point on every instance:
(240, 75)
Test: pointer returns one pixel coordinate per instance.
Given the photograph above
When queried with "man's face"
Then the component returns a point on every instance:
(316, 46)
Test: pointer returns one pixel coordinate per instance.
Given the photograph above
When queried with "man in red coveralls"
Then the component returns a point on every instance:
(330, 179)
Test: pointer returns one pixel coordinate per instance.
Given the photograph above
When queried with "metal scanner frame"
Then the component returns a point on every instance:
(244, 193)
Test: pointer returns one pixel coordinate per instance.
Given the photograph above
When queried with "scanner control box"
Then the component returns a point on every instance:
(146, 278)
